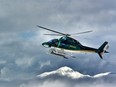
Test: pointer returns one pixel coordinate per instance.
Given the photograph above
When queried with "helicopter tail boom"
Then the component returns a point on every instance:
(103, 49)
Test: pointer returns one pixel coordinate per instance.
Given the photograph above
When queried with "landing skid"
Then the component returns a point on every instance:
(61, 53)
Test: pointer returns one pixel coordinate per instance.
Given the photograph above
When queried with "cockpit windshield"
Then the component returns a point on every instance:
(53, 40)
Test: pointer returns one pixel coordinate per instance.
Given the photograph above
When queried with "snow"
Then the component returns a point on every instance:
(68, 72)
(101, 75)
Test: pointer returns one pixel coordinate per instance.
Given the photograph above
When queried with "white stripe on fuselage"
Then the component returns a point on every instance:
(74, 51)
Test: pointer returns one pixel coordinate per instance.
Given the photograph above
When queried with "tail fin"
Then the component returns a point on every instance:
(102, 49)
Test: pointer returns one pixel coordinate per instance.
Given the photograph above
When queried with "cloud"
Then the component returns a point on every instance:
(21, 53)
(24, 62)
(62, 83)
(56, 84)
(61, 77)
(47, 84)
(45, 64)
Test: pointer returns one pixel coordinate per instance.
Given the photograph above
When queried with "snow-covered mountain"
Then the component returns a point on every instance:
(68, 72)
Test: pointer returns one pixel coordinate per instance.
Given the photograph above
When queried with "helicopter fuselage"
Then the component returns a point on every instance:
(68, 43)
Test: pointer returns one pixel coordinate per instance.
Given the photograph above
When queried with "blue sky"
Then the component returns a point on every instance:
(21, 55)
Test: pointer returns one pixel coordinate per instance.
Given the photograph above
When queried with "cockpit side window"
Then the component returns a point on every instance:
(70, 41)
(55, 40)
(50, 41)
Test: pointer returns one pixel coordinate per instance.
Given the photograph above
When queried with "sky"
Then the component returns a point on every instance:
(22, 56)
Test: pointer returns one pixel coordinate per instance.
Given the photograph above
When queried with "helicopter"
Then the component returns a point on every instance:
(69, 44)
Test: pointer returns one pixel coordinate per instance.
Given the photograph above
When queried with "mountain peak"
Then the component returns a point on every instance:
(68, 72)
(65, 69)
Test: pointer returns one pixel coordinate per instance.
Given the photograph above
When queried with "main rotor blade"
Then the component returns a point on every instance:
(81, 32)
(51, 30)
(53, 34)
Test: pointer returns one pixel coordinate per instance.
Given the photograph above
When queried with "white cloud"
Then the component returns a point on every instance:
(24, 62)
(46, 84)
(23, 55)
(58, 83)
(95, 85)
(101, 75)
(3, 62)
(4, 72)
(43, 64)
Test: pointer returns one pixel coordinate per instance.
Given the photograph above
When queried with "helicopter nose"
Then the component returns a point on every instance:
(43, 43)
(46, 44)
